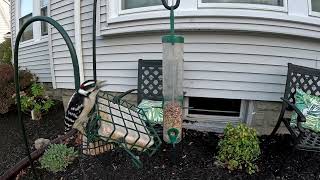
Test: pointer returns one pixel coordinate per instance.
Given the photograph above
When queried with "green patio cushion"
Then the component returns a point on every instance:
(309, 105)
(153, 110)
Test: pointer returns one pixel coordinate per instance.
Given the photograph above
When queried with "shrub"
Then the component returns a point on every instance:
(6, 100)
(26, 79)
(36, 100)
(6, 74)
(239, 148)
(57, 157)
(7, 86)
(5, 52)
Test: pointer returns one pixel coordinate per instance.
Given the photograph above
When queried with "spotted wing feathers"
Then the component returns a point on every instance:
(74, 109)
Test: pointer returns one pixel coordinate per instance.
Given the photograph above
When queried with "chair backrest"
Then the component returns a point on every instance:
(305, 78)
(150, 80)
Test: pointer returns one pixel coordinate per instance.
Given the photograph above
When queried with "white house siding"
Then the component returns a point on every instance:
(32, 55)
(63, 12)
(4, 20)
(217, 64)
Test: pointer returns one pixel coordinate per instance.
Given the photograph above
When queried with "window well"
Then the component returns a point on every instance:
(214, 106)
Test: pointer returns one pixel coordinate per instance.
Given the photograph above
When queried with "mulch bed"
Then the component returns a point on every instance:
(194, 157)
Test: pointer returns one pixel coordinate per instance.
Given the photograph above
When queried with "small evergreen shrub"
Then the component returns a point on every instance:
(36, 100)
(57, 157)
(239, 148)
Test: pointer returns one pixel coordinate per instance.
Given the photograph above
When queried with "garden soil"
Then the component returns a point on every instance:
(193, 158)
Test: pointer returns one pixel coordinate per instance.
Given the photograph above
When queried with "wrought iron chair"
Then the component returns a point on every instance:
(307, 79)
(149, 81)
(149, 84)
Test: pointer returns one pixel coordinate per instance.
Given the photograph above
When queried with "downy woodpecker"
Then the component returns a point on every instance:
(80, 105)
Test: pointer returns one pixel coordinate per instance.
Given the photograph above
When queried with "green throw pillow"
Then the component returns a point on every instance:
(153, 110)
(309, 105)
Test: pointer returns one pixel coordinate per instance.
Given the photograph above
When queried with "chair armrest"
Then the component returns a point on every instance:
(117, 99)
(301, 117)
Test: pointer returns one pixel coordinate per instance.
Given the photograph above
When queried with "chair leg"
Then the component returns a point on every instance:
(280, 119)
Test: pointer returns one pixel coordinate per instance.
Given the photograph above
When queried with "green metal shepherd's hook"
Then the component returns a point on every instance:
(16, 77)
(172, 38)
(171, 8)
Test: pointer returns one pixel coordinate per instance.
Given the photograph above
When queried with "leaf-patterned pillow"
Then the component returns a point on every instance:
(309, 105)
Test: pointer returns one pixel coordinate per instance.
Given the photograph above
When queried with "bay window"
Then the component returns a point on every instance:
(315, 5)
(26, 7)
(264, 2)
(44, 12)
(130, 4)
(26, 10)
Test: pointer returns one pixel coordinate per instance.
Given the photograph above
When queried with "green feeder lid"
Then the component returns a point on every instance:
(172, 39)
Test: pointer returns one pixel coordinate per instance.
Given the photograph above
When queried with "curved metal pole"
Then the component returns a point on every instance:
(94, 31)
(16, 77)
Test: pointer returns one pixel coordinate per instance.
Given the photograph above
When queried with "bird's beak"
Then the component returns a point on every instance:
(100, 84)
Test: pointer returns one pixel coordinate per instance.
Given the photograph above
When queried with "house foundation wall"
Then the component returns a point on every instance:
(263, 116)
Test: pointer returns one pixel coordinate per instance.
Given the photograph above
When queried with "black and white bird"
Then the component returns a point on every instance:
(80, 105)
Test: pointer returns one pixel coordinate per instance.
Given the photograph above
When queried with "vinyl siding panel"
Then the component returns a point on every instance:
(63, 12)
(36, 58)
(33, 56)
(233, 65)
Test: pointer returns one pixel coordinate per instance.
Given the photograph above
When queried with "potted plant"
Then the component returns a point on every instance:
(36, 103)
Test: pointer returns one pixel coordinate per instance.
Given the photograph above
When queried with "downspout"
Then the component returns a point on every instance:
(78, 37)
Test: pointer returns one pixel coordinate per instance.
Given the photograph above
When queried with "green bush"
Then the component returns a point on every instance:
(5, 52)
(239, 148)
(57, 157)
(37, 100)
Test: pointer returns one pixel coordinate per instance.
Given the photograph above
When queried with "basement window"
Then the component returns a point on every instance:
(214, 106)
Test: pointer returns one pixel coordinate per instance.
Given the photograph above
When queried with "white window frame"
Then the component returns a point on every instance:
(36, 11)
(312, 13)
(283, 8)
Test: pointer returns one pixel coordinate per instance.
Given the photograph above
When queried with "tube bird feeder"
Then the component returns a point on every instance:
(172, 81)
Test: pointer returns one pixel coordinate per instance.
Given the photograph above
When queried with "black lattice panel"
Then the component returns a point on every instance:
(307, 79)
(150, 85)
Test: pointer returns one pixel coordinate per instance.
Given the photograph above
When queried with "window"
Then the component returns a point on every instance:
(214, 106)
(44, 12)
(28, 9)
(268, 5)
(25, 15)
(315, 5)
(264, 2)
(130, 4)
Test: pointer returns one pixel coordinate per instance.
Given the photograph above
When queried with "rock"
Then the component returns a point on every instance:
(41, 142)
